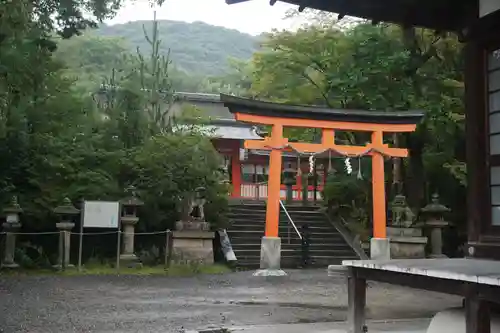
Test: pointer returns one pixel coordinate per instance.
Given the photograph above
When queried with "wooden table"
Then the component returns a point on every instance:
(478, 281)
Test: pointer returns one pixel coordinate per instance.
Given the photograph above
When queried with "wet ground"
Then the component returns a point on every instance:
(146, 304)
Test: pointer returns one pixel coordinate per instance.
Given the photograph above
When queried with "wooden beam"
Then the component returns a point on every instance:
(447, 286)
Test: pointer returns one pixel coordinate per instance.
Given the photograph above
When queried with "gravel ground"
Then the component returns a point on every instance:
(149, 304)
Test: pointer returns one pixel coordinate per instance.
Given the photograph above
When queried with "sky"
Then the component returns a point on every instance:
(253, 17)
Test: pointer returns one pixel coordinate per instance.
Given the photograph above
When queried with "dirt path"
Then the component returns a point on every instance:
(163, 304)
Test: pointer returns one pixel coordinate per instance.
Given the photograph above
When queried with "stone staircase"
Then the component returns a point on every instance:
(247, 228)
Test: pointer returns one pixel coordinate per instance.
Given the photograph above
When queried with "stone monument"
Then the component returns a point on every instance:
(434, 220)
(192, 239)
(11, 225)
(128, 221)
(406, 238)
(66, 212)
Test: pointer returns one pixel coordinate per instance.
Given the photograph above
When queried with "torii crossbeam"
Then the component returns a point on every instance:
(328, 120)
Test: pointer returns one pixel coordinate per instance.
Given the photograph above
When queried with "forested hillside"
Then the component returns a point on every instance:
(196, 48)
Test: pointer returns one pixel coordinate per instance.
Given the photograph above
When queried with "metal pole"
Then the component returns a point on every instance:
(80, 245)
(305, 189)
(167, 249)
(118, 245)
(289, 229)
(63, 250)
(289, 192)
(315, 184)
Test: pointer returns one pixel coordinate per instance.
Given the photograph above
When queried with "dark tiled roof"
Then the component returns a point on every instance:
(256, 107)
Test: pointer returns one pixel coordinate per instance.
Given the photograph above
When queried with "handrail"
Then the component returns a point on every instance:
(290, 219)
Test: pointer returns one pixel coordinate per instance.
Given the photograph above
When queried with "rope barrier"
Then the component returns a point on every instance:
(30, 233)
(87, 233)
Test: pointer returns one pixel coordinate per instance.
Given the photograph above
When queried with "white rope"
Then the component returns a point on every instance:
(364, 153)
(348, 166)
(311, 164)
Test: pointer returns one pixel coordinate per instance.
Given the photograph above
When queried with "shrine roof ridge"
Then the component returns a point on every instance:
(262, 108)
(202, 97)
(228, 122)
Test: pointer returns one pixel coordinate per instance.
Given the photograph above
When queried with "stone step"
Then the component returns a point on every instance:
(316, 255)
(296, 205)
(253, 236)
(294, 246)
(297, 250)
(294, 216)
(327, 246)
(263, 208)
(293, 209)
(282, 227)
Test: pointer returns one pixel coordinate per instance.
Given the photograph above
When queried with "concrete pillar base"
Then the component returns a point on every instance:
(270, 253)
(270, 272)
(380, 249)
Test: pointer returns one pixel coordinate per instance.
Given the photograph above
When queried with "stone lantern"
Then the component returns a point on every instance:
(434, 220)
(11, 225)
(129, 219)
(66, 213)
(289, 180)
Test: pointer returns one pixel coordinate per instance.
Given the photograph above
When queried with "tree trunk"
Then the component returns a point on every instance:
(415, 176)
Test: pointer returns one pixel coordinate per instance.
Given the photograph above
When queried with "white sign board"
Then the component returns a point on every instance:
(101, 214)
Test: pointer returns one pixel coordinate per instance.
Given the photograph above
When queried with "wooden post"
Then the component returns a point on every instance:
(236, 175)
(378, 189)
(477, 314)
(274, 187)
(356, 302)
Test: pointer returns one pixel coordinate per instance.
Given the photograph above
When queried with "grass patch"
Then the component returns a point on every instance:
(173, 270)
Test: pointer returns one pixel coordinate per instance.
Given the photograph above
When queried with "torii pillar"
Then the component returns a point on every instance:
(280, 115)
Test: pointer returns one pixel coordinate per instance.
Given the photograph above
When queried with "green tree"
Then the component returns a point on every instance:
(57, 142)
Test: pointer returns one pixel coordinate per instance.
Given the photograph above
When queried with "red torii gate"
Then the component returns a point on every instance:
(328, 120)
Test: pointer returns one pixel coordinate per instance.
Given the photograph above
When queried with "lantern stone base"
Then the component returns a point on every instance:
(10, 245)
(9, 266)
(193, 246)
(407, 243)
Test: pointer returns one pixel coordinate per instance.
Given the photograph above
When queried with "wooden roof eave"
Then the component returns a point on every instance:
(279, 110)
(442, 15)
